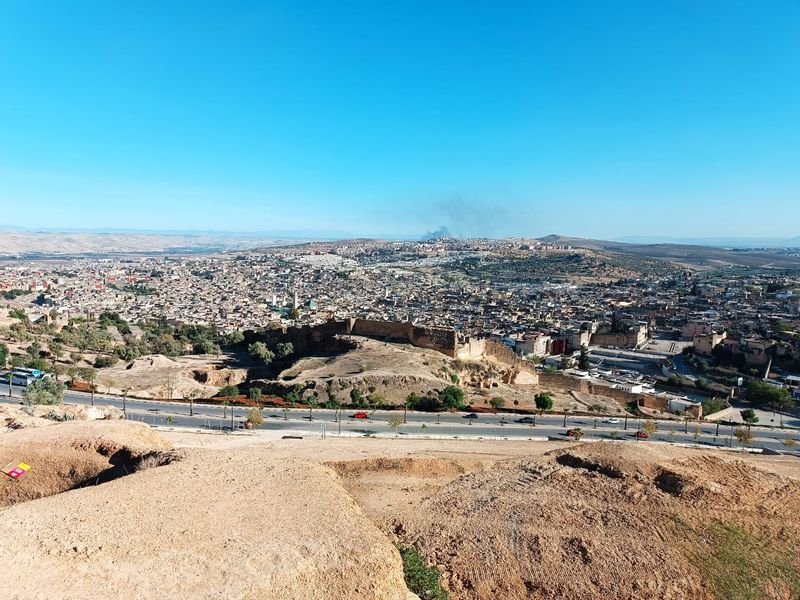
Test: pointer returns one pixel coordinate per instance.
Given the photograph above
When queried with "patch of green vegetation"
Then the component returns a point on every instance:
(15, 293)
(421, 579)
(743, 566)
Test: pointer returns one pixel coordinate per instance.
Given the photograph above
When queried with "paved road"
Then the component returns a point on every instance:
(447, 425)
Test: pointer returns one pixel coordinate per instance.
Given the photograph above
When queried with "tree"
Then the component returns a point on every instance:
(3, 355)
(650, 427)
(44, 391)
(412, 401)
(696, 432)
(56, 349)
(228, 391)
(452, 397)
(761, 393)
(312, 402)
(293, 397)
(89, 374)
(191, 397)
(284, 349)
(10, 379)
(789, 442)
(255, 418)
(260, 351)
(743, 435)
(125, 392)
(749, 417)
(170, 419)
(394, 422)
(543, 402)
(254, 394)
(583, 360)
(356, 396)
(497, 403)
(334, 404)
(285, 413)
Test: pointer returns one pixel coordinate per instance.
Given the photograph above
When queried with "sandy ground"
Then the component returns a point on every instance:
(560, 520)
(232, 523)
(254, 516)
(157, 376)
(65, 455)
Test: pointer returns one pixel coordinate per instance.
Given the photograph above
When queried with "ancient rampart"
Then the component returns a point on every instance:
(314, 337)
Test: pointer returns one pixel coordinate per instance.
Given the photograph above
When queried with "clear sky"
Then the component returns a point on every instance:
(590, 118)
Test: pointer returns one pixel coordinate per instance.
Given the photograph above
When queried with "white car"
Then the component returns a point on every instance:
(612, 421)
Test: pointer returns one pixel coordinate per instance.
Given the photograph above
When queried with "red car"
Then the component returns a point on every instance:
(575, 433)
(642, 435)
(360, 415)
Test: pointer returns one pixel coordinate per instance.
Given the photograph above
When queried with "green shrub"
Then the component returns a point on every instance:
(421, 579)
(44, 391)
(228, 391)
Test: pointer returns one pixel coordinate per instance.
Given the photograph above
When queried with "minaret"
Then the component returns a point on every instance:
(295, 303)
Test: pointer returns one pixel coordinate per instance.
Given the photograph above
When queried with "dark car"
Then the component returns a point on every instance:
(526, 420)
(470, 416)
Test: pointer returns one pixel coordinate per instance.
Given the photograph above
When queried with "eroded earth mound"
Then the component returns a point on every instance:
(612, 520)
(236, 524)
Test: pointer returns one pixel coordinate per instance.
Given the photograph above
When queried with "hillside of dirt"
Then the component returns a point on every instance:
(233, 524)
(609, 520)
(158, 376)
(67, 455)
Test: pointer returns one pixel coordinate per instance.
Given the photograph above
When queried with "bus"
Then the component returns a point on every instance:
(24, 377)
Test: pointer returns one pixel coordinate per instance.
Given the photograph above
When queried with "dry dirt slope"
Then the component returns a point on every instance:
(613, 521)
(69, 454)
(216, 524)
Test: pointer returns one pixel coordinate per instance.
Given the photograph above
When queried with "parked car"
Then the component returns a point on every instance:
(575, 433)
(526, 420)
(612, 421)
(642, 435)
(470, 416)
(359, 415)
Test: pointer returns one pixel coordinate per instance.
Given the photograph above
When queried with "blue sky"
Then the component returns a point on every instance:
(598, 119)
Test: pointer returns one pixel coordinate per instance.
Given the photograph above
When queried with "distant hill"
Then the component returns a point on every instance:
(716, 242)
(689, 254)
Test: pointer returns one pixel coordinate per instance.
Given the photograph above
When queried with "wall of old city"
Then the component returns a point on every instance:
(584, 386)
(311, 337)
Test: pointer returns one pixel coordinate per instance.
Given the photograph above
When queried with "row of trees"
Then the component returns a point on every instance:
(764, 395)
(261, 352)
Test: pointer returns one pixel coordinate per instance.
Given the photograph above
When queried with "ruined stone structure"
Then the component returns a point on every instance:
(318, 337)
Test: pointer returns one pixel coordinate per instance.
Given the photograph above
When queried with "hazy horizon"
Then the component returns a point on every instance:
(677, 120)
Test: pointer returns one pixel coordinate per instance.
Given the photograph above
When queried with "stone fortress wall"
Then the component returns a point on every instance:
(311, 337)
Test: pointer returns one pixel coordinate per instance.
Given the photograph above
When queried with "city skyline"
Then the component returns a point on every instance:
(678, 121)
